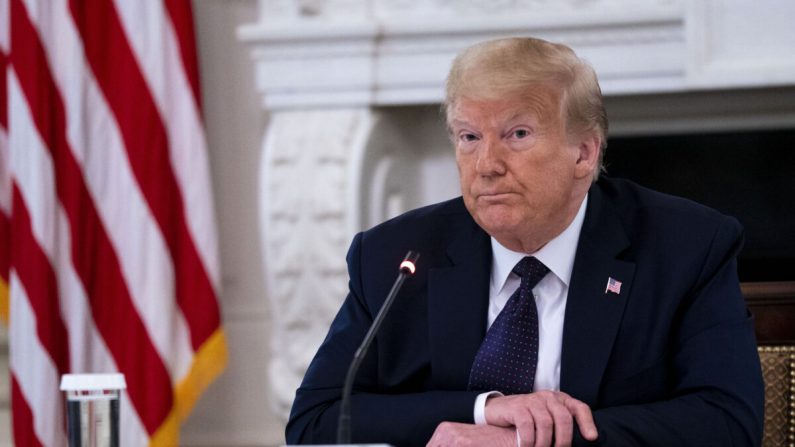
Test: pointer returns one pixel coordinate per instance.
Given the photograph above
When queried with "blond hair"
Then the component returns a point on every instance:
(497, 68)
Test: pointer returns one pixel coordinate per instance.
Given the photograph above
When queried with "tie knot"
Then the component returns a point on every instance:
(531, 270)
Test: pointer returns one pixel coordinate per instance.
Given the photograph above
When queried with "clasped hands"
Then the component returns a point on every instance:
(537, 419)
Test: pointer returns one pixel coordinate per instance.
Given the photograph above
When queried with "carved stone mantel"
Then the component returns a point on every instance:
(331, 72)
(304, 186)
(398, 52)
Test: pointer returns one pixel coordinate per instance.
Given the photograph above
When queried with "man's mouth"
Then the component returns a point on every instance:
(494, 196)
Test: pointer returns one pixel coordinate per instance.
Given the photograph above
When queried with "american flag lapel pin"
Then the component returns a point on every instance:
(613, 285)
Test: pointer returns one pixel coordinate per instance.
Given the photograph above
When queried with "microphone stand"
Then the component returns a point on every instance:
(407, 269)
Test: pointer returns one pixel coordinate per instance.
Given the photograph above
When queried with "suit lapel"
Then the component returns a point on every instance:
(458, 297)
(593, 314)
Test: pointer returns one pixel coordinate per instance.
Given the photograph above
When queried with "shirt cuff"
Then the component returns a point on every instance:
(480, 406)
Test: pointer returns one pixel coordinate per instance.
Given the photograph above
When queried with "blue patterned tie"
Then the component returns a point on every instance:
(507, 358)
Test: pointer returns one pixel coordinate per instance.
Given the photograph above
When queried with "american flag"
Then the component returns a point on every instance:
(108, 257)
(613, 286)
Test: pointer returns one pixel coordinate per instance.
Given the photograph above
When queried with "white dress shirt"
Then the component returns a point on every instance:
(550, 295)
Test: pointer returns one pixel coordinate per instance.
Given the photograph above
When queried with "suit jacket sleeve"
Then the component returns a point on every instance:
(716, 392)
(400, 414)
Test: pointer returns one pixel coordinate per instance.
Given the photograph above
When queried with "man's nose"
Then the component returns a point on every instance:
(491, 159)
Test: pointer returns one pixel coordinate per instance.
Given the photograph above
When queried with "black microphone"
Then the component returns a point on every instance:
(407, 268)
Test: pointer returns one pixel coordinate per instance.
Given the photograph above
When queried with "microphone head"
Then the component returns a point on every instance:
(408, 266)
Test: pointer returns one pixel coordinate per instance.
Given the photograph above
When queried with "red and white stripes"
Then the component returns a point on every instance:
(112, 261)
(5, 168)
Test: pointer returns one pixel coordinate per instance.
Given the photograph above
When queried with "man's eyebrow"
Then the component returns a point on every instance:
(460, 123)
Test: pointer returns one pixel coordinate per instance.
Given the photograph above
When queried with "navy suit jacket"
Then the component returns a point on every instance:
(671, 360)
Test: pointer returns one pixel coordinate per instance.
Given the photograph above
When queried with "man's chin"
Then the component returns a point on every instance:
(498, 224)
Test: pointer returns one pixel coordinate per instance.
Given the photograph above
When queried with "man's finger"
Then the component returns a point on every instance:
(525, 431)
(545, 425)
(584, 417)
(564, 426)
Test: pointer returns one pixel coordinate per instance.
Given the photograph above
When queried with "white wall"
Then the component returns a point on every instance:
(234, 411)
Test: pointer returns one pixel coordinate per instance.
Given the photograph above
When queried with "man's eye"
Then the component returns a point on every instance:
(468, 137)
(521, 133)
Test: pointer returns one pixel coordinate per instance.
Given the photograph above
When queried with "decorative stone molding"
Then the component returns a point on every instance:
(398, 52)
(737, 44)
(280, 10)
(305, 190)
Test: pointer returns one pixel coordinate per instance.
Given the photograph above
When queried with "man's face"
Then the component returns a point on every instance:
(521, 177)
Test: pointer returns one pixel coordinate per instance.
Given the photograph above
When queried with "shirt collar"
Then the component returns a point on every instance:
(557, 254)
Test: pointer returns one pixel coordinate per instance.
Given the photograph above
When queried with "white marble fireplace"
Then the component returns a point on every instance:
(352, 90)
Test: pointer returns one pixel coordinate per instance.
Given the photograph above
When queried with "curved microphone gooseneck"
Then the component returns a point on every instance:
(407, 268)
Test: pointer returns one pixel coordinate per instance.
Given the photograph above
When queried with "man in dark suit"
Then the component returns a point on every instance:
(548, 308)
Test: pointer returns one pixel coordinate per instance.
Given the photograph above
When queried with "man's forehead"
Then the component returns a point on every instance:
(508, 115)
(529, 103)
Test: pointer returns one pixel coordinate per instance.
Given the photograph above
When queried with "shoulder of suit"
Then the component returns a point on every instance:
(639, 201)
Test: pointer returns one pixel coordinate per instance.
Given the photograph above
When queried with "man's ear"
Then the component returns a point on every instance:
(588, 154)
